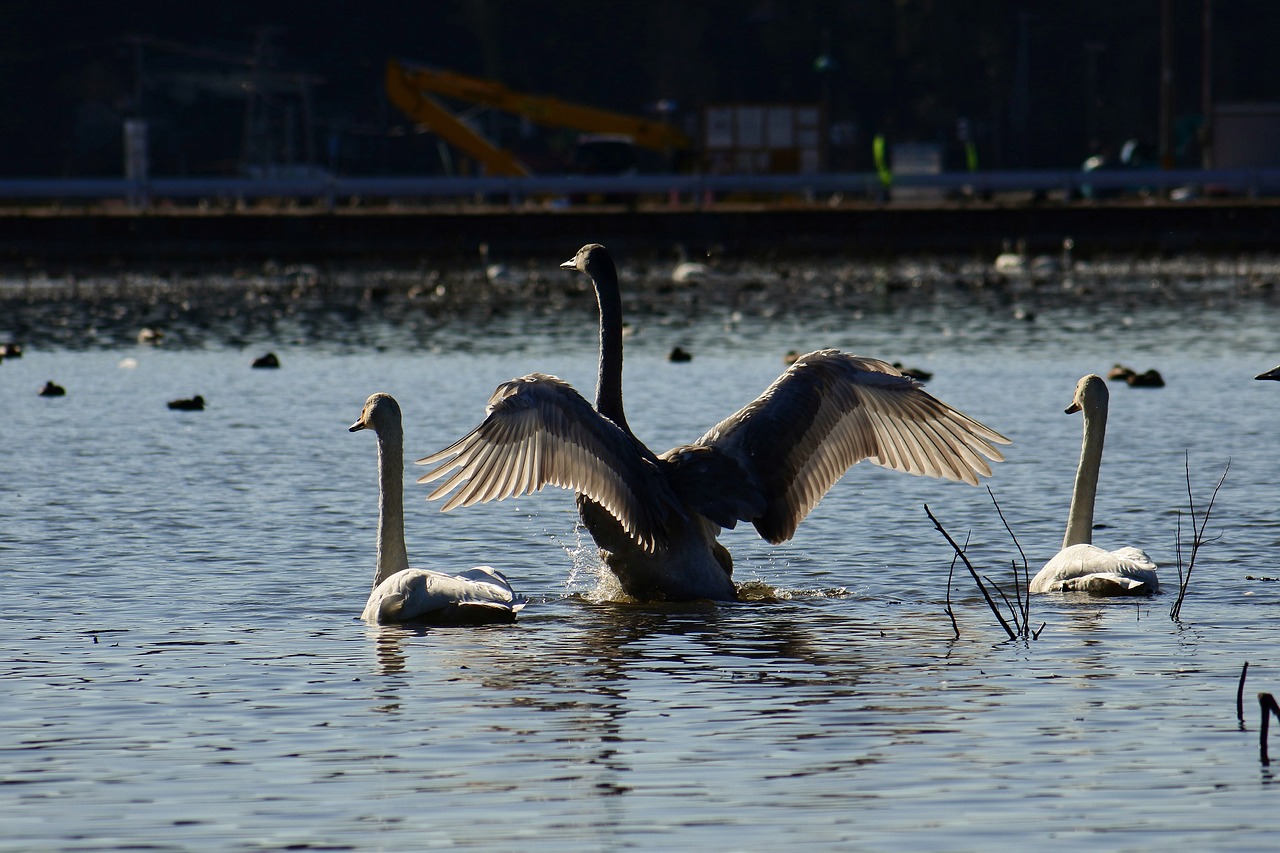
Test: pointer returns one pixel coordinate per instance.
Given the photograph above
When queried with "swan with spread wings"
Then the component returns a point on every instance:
(655, 517)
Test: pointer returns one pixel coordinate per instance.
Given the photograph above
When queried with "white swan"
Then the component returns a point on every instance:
(1082, 566)
(402, 594)
(687, 271)
(656, 518)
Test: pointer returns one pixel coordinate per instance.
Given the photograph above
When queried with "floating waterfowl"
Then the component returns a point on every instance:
(52, 389)
(1121, 373)
(914, 372)
(270, 360)
(678, 354)
(655, 518)
(403, 594)
(11, 350)
(1146, 379)
(497, 273)
(1082, 566)
(686, 271)
(191, 404)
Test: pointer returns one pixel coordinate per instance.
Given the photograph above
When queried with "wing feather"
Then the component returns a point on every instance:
(539, 431)
(830, 410)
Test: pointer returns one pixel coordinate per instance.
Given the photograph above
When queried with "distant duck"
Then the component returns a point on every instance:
(1120, 373)
(194, 404)
(1016, 261)
(690, 271)
(687, 271)
(494, 272)
(302, 274)
(1146, 379)
(1273, 373)
(269, 360)
(52, 389)
(913, 372)
(1011, 261)
(402, 594)
(678, 354)
(150, 335)
(791, 357)
(11, 350)
(1081, 566)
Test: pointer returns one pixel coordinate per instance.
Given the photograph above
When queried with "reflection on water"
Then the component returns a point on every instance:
(183, 669)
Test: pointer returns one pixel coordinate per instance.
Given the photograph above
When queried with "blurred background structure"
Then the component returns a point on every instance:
(276, 89)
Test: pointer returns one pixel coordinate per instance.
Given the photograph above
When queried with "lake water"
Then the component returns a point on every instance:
(182, 666)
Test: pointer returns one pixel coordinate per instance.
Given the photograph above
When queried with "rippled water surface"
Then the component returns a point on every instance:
(183, 669)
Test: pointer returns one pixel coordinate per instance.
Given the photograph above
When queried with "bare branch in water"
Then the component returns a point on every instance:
(951, 574)
(1013, 611)
(1197, 535)
(1240, 693)
(1012, 536)
(973, 573)
(1268, 704)
(1021, 588)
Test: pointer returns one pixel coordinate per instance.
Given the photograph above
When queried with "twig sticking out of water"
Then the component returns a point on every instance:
(1021, 588)
(972, 572)
(1021, 627)
(949, 611)
(1197, 535)
(1240, 693)
(1269, 707)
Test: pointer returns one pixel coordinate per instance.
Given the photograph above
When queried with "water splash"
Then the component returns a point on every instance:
(587, 577)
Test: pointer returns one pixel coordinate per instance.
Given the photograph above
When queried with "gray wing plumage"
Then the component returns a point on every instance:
(714, 484)
(537, 431)
(830, 410)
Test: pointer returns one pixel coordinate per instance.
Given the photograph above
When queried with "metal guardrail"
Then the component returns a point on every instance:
(330, 190)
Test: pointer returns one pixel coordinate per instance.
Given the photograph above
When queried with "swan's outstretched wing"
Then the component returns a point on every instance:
(538, 430)
(830, 410)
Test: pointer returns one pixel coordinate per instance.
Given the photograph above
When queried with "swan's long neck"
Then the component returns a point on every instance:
(1080, 519)
(392, 556)
(609, 378)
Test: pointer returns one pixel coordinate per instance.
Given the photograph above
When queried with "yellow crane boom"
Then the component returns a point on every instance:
(412, 89)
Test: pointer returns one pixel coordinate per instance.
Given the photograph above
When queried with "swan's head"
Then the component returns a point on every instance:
(380, 411)
(591, 259)
(1091, 395)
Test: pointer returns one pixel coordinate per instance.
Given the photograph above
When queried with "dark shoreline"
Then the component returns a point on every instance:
(58, 240)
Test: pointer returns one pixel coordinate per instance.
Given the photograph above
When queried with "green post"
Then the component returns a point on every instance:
(878, 151)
